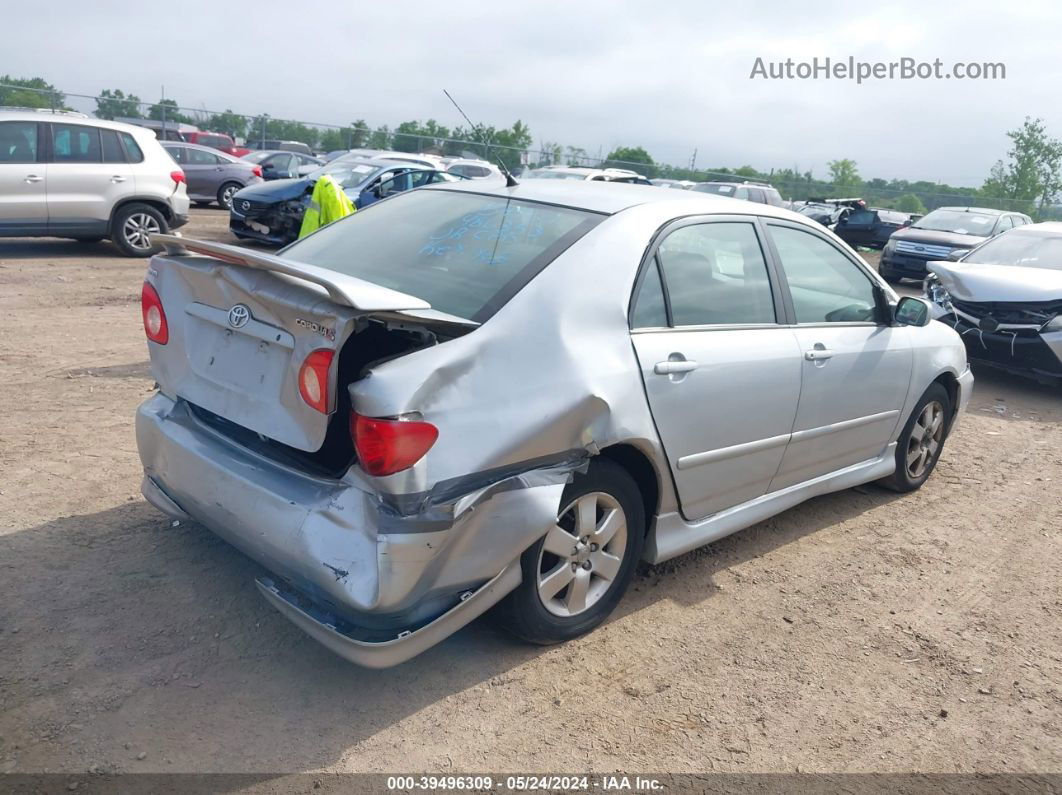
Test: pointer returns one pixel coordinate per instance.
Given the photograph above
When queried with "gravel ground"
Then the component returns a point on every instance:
(861, 631)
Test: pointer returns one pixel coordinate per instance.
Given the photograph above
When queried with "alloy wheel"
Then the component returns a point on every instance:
(582, 554)
(138, 228)
(226, 196)
(926, 437)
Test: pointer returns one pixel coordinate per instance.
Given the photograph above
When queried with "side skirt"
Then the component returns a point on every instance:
(673, 535)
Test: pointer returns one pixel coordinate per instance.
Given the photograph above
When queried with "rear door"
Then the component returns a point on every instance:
(82, 188)
(721, 370)
(855, 368)
(23, 179)
(203, 170)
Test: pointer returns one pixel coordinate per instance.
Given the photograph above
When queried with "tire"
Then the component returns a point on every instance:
(923, 436)
(225, 193)
(888, 275)
(577, 560)
(132, 225)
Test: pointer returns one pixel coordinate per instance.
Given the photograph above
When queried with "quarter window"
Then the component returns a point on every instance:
(74, 143)
(649, 308)
(716, 274)
(826, 286)
(132, 150)
(18, 142)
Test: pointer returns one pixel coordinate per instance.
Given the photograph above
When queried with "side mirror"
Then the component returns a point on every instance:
(957, 254)
(912, 312)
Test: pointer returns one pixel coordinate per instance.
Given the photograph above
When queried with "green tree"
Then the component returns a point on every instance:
(910, 203)
(626, 156)
(168, 107)
(116, 104)
(576, 156)
(843, 173)
(380, 138)
(228, 122)
(29, 92)
(1031, 175)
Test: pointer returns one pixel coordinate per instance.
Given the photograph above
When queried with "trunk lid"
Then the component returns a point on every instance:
(241, 325)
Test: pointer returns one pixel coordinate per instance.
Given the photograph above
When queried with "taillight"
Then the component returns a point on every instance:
(313, 379)
(388, 446)
(154, 316)
(257, 171)
(177, 176)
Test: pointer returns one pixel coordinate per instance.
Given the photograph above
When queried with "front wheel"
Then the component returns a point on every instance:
(919, 446)
(225, 194)
(576, 574)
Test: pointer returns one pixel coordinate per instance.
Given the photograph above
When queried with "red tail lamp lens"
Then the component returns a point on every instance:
(155, 325)
(313, 379)
(388, 446)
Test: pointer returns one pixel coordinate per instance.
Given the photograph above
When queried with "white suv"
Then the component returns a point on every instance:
(68, 175)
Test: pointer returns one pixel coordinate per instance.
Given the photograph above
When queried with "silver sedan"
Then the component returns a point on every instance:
(473, 396)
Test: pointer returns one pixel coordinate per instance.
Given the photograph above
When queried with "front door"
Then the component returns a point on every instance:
(23, 180)
(855, 368)
(721, 374)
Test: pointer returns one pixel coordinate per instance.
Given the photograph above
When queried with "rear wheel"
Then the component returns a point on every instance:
(132, 227)
(226, 192)
(919, 446)
(576, 574)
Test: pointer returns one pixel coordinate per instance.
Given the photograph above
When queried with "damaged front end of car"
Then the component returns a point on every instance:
(1018, 336)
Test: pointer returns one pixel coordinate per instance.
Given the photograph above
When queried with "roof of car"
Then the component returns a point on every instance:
(44, 114)
(604, 197)
(982, 210)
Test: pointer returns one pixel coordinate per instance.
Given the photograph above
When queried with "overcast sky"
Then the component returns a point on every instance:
(669, 76)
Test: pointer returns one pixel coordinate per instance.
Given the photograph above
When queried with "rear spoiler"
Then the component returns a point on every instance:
(345, 290)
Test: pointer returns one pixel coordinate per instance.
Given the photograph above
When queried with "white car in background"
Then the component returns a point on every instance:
(588, 174)
(67, 175)
(471, 168)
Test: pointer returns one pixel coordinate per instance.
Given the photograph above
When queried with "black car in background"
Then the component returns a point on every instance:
(272, 212)
(869, 226)
(946, 233)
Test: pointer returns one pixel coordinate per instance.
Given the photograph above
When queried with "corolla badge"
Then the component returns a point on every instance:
(239, 315)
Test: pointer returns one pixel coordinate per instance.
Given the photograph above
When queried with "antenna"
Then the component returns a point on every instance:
(510, 180)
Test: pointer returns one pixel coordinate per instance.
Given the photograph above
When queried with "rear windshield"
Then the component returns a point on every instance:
(714, 187)
(958, 222)
(1024, 249)
(463, 253)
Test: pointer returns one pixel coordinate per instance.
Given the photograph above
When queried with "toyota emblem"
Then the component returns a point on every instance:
(239, 315)
(245, 205)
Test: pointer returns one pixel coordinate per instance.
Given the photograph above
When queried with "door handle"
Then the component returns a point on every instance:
(672, 367)
(117, 178)
(818, 354)
(34, 178)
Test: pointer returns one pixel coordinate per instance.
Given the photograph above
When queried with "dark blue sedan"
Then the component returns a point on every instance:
(272, 212)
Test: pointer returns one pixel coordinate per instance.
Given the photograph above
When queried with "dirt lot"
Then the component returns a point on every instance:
(859, 632)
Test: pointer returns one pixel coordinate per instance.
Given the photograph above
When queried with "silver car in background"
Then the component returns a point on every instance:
(1005, 300)
(471, 396)
(212, 176)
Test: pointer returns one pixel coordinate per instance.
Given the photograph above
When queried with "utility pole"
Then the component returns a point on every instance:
(693, 160)
(162, 105)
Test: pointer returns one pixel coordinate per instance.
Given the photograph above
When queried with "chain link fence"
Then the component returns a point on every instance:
(258, 130)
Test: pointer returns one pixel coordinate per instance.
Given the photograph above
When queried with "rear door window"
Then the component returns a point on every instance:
(716, 275)
(18, 142)
(76, 143)
(465, 254)
(197, 157)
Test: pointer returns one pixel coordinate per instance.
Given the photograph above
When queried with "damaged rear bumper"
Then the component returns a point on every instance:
(374, 587)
